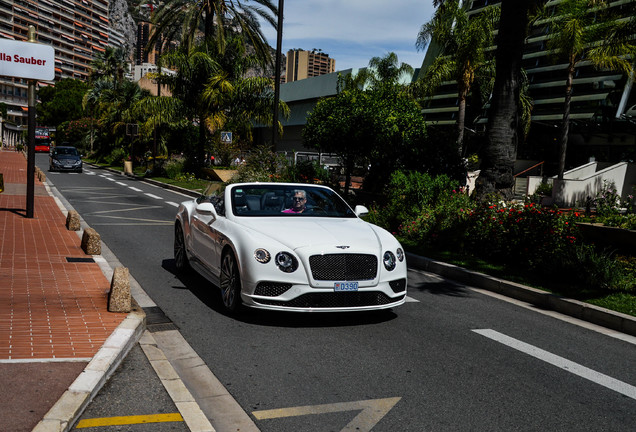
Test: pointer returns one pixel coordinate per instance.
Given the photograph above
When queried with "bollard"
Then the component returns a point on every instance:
(119, 298)
(91, 242)
(73, 221)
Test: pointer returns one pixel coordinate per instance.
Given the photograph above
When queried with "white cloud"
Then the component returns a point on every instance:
(354, 31)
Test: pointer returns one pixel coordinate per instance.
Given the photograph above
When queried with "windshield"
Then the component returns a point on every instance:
(61, 151)
(288, 201)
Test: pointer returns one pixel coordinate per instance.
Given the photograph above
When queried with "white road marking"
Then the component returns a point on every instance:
(121, 184)
(173, 204)
(411, 300)
(153, 196)
(134, 188)
(560, 362)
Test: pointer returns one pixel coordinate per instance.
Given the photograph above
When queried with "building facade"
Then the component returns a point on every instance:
(78, 30)
(306, 64)
(603, 113)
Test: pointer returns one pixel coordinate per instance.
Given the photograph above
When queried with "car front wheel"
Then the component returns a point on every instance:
(230, 282)
(180, 254)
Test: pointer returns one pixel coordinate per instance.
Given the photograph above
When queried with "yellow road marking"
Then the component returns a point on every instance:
(371, 413)
(128, 420)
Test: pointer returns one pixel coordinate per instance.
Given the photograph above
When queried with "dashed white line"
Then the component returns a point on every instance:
(560, 362)
(135, 189)
(121, 184)
(173, 204)
(153, 196)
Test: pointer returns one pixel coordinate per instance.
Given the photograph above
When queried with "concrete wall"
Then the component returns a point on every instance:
(573, 190)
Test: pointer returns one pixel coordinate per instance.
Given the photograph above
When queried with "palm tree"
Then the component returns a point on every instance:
(585, 30)
(183, 20)
(387, 69)
(110, 65)
(507, 101)
(463, 42)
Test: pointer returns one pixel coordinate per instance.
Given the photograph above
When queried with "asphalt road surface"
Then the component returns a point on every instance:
(452, 358)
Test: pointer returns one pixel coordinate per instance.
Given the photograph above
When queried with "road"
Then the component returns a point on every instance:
(452, 358)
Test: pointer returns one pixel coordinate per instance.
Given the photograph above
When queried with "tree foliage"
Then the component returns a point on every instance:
(462, 41)
(62, 102)
(586, 30)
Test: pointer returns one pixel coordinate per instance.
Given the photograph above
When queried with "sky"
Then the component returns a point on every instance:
(354, 31)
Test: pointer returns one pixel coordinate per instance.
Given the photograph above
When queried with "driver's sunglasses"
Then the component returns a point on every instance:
(298, 199)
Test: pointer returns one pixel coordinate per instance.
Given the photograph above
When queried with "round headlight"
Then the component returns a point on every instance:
(286, 262)
(262, 256)
(400, 254)
(389, 260)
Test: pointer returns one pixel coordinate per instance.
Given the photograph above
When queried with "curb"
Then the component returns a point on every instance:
(67, 410)
(584, 311)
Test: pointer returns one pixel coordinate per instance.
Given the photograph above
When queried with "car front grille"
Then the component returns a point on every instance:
(334, 300)
(343, 267)
(271, 289)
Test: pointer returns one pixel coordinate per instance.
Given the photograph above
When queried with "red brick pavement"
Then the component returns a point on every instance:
(49, 308)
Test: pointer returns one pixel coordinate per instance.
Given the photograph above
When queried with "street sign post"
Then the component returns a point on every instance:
(31, 61)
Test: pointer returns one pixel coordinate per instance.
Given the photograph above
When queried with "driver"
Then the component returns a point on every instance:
(299, 202)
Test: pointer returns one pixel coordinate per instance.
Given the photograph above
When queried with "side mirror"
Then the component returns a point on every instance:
(206, 208)
(361, 210)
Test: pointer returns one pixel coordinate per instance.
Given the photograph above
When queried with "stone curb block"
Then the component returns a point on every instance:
(543, 299)
(73, 221)
(91, 242)
(119, 298)
(65, 413)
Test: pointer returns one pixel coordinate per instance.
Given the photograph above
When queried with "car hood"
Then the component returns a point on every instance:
(315, 232)
(72, 157)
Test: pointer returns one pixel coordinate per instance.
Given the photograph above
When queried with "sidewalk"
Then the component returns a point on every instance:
(58, 342)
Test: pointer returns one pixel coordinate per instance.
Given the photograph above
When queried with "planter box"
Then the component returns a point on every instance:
(609, 236)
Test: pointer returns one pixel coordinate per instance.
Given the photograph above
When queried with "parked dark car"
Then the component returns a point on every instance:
(65, 158)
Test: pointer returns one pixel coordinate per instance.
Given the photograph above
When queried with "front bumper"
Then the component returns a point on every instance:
(283, 296)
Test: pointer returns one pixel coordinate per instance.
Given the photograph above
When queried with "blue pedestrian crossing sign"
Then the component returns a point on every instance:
(226, 137)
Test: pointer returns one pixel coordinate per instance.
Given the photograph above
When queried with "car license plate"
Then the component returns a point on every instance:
(345, 286)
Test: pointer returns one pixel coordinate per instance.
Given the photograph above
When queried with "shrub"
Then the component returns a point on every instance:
(173, 169)
(420, 207)
(116, 157)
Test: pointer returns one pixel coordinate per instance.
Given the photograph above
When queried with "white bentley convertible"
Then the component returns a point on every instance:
(291, 247)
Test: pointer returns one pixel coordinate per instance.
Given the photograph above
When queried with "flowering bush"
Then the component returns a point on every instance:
(538, 237)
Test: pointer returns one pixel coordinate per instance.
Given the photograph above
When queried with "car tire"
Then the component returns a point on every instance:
(180, 254)
(230, 283)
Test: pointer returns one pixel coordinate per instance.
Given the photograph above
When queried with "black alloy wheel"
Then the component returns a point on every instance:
(180, 255)
(230, 283)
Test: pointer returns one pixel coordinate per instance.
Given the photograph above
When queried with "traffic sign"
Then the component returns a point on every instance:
(226, 137)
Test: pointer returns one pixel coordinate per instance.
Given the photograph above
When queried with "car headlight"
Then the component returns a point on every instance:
(286, 262)
(56, 162)
(400, 254)
(262, 256)
(389, 260)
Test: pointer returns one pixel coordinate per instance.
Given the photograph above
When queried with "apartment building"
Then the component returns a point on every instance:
(602, 115)
(306, 64)
(77, 29)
